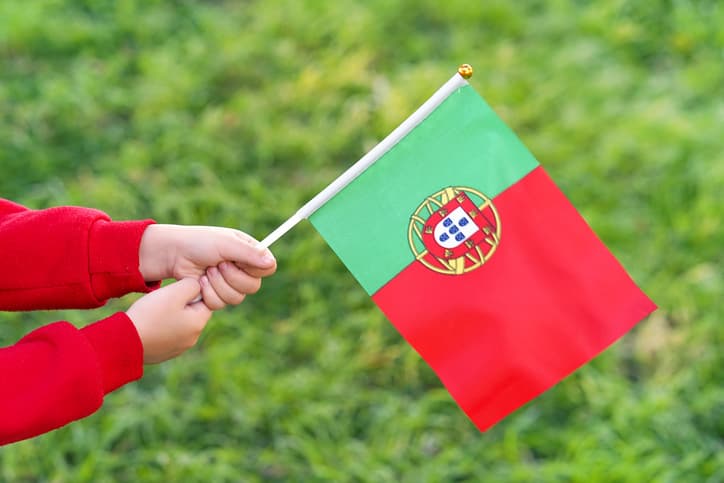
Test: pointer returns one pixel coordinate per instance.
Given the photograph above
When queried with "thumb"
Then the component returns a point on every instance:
(246, 251)
(182, 292)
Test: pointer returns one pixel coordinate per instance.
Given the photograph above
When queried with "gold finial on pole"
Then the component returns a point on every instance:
(465, 71)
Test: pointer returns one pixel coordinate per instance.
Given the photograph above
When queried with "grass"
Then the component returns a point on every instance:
(236, 113)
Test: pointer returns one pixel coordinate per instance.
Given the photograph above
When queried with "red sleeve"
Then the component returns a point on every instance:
(57, 374)
(66, 257)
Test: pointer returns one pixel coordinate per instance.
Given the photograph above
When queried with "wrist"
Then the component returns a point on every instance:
(153, 255)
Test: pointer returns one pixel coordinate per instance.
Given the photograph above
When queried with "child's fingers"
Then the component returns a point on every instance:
(238, 279)
(211, 298)
(225, 292)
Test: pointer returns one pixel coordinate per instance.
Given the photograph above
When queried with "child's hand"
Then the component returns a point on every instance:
(226, 262)
(165, 322)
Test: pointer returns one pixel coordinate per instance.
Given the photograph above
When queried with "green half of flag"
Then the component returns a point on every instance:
(366, 223)
(479, 260)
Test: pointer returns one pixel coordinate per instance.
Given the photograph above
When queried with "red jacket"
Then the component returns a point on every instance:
(65, 257)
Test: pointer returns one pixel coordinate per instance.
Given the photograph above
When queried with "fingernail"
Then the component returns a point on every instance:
(267, 258)
(213, 271)
(204, 281)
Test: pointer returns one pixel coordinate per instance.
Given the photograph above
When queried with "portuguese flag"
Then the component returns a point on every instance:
(476, 257)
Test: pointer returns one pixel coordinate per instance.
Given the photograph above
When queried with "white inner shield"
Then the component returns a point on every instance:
(454, 232)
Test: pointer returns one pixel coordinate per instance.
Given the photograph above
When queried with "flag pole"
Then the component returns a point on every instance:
(457, 81)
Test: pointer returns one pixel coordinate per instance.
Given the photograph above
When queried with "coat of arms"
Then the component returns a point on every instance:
(454, 231)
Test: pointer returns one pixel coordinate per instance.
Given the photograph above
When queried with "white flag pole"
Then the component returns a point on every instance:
(457, 81)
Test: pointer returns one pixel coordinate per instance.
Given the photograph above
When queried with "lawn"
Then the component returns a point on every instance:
(236, 113)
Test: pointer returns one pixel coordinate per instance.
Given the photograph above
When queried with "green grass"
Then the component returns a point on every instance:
(236, 113)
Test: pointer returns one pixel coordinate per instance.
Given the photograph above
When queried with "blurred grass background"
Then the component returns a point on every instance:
(235, 113)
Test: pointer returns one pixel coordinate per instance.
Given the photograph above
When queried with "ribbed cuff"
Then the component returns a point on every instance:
(118, 348)
(113, 260)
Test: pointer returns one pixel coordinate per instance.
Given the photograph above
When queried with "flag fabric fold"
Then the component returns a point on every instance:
(478, 259)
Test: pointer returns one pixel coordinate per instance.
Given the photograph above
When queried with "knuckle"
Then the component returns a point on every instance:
(214, 273)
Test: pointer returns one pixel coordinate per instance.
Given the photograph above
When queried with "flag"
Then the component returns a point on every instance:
(477, 258)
